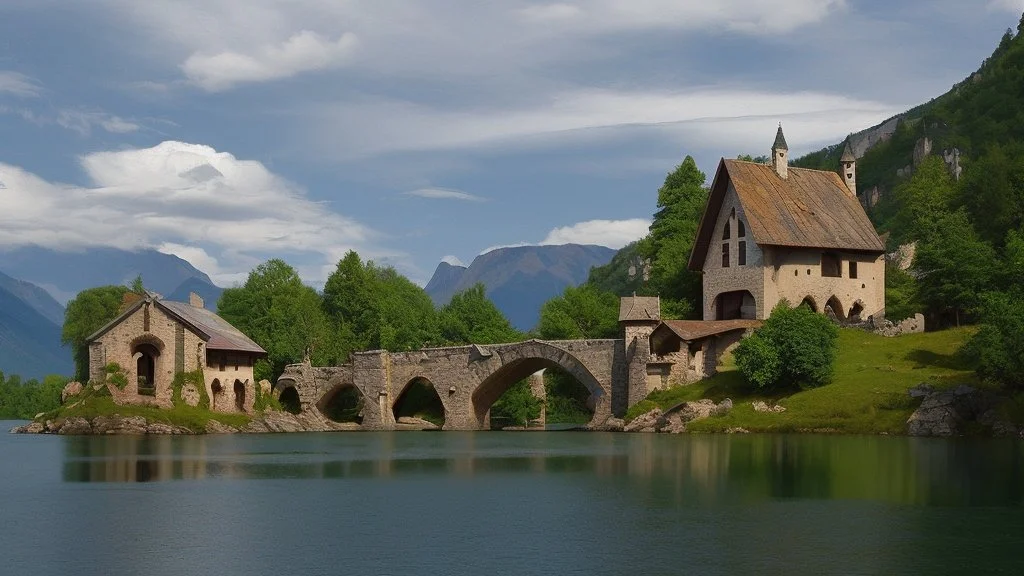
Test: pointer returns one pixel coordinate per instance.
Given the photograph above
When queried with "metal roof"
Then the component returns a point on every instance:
(809, 209)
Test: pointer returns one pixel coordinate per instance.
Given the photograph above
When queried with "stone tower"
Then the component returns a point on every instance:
(780, 155)
(849, 169)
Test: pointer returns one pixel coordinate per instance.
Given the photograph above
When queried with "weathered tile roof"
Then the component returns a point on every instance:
(221, 335)
(690, 330)
(809, 209)
(632, 308)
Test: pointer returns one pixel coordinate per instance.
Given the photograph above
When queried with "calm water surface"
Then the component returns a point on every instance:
(509, 503)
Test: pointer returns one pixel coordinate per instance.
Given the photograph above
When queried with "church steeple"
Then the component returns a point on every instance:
(848, 165)
(780, 154)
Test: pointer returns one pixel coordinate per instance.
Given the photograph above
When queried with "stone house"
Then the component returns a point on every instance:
(771, 232)
(664, 353)
(153, 339)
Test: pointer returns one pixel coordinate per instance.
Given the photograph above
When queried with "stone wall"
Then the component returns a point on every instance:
(718, 280)
(795, 274)
(237, 368)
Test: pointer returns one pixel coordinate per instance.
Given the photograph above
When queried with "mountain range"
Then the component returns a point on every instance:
(520, 280)
(30, 329)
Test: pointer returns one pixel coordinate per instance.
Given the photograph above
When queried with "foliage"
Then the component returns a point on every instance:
(922, 201)
(195, 378)
(954, 267)
(93, 404)
(998, 347)
(795, 346)
(615, 277)
(23, 400)
(992, 191)
(566, 398)
(281, 314)
(517, 404)
(681, 201)
(89, 311)
(471, 318)
(761, 159)
(583, 312)
(901, 298)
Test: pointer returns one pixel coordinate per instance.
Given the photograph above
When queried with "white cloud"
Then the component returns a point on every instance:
(388, 126)
(304, 52)
(18, 84)
(453, 260)
(610, 233)
(209, 207)
(444, 194)
(83, 122)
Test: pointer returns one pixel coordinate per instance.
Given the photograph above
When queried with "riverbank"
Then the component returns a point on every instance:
(879, 384)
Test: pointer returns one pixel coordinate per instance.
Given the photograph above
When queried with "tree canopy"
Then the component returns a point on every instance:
(86, 313)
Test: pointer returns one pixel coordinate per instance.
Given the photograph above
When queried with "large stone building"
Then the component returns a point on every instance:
(771, 232)
(153, 339)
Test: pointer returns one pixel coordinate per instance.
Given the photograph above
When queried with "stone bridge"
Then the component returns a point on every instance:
(467, 379)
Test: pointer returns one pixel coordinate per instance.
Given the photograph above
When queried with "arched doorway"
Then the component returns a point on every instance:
(810, 303)
(289, 400)
(735, 305)
(239, 390)
(217, 400)
(343, 404)
(855, 312)
(146, 355)
(419, 400)
(834, 309)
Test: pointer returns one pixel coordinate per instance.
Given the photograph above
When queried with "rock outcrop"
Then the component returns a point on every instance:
(70, 389)
(760, 406)
(112, 424)
(674, 421)
(943, 413)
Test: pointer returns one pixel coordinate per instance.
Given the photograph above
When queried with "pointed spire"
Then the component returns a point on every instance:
(780, 140)
(848, 155)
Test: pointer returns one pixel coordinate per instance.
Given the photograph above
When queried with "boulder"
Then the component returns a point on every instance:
(117, 424)
(672, 423)
(921, 390)
(942, 412)
(70, 389)
(30, 428)
(646, 422)
(699, 410)
(760, 406)
(190, 394)
(612, 424)
(73, 426)
(163, 428)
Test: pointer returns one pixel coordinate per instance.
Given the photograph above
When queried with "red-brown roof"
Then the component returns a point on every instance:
(690, 330)
(809, 209)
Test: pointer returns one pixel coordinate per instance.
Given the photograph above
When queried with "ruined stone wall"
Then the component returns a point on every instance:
(718, 280)
(238, 367)
(178, 346)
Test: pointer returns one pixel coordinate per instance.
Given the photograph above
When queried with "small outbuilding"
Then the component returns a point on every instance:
(152, 340)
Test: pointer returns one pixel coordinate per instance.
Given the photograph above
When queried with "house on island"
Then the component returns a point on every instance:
(771, 232)
(153, 339)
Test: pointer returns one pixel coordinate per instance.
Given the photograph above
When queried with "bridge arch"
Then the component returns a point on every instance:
(344, 402)
(419, 398)
(518, 362)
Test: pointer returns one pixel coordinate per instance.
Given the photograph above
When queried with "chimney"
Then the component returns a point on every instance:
(780, 155)
(848, 164)
(195, 300)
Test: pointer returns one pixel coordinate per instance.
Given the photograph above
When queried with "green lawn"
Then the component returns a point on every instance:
(868, 394)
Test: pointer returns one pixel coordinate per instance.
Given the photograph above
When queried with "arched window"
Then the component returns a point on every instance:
(727, 233)
(741, 230)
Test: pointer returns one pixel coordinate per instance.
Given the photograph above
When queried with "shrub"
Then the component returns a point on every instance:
(796, 346)
(998, 347)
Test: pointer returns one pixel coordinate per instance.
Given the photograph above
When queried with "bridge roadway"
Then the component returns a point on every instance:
(469, 379)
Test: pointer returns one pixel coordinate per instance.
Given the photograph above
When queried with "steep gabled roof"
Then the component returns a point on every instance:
(214, 330)
(780, 140)
(848, 155)
(809, 209)
(634, 308)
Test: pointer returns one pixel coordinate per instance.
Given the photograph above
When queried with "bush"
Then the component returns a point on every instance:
(998, 347)
(796, 346)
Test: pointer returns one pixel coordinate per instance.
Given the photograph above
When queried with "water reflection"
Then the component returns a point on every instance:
(682, 469)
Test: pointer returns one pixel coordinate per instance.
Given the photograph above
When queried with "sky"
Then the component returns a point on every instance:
(228, 132)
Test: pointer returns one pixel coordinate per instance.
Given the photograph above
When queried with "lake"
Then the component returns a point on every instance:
(509, 503)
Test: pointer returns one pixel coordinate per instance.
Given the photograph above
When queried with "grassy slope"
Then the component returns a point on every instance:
(91, 404)
(867, 396)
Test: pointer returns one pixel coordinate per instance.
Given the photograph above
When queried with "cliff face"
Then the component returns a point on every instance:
(443, 283)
